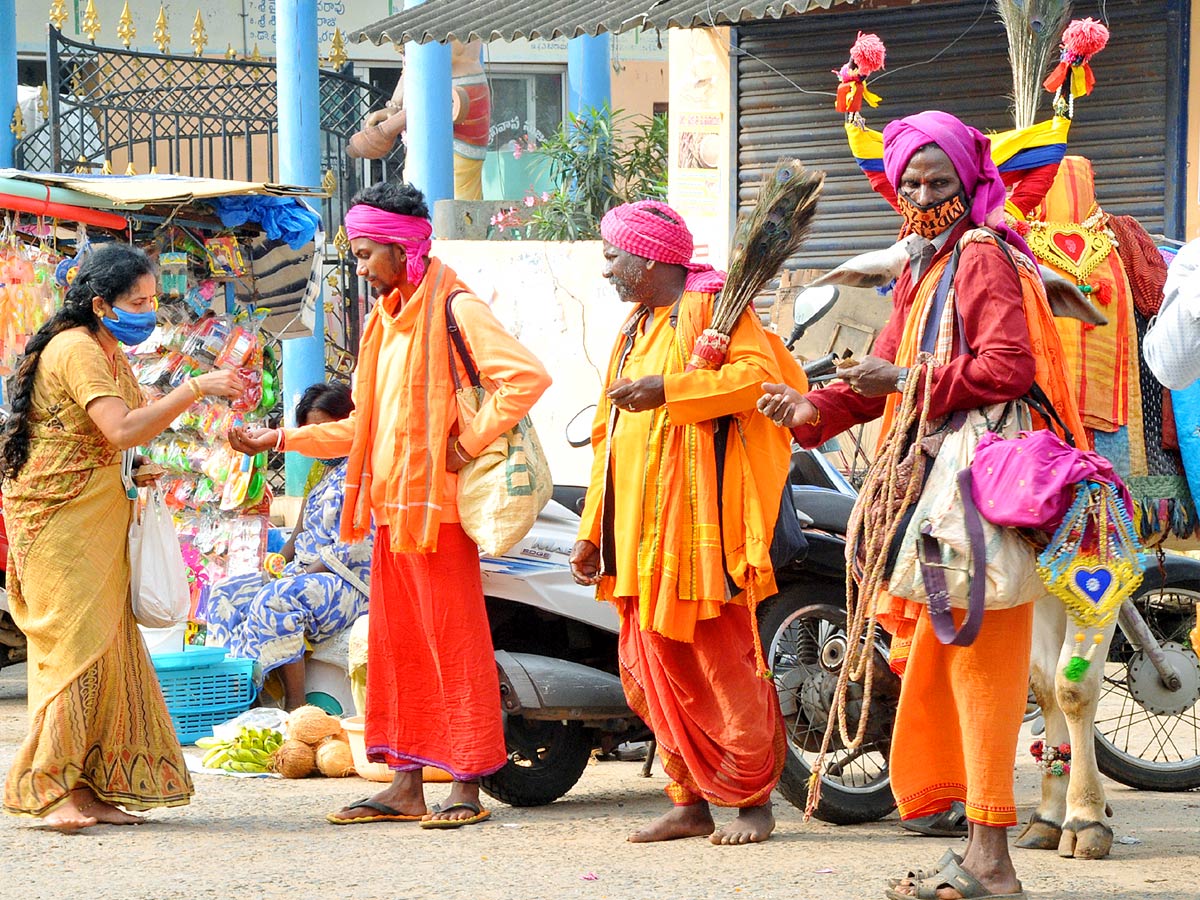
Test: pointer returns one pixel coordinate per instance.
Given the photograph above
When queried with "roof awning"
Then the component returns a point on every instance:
(503, 20)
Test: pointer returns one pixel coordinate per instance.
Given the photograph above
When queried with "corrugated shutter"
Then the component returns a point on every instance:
(1122, 127)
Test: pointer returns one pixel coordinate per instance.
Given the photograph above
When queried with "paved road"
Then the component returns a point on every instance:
(267, 839)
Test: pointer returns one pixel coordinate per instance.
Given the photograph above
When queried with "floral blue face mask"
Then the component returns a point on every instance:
(130, 328)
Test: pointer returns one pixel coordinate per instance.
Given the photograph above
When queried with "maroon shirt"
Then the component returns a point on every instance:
(998, 366)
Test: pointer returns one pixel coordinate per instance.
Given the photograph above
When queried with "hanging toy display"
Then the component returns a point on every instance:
(1092, 565)
(866, 58)
(1081, 40)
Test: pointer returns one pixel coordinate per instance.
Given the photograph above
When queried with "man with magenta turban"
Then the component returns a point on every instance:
(433, 696)
(961, 300)
(679, 542)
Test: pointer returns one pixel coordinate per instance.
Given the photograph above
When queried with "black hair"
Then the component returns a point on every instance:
(394, 197)
(332, 398)
(108, 272)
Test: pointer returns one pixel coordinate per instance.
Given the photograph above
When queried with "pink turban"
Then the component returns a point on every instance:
(641, 229)
(970, 151)
(412, 233)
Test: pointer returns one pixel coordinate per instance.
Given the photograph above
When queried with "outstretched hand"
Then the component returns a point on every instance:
(252, 439)
(786, 406)
(873, 377)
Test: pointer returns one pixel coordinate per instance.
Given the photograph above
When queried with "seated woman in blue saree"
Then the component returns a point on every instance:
(323, 587)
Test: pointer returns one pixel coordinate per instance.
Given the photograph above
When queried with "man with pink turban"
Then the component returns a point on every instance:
(961, 299)
(680, 542)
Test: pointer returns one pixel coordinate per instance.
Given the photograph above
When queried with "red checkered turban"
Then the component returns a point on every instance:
(649, 229)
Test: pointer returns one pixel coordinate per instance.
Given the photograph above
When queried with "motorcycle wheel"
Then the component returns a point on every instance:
(803, 637)
(1148, 738)
(545, 760)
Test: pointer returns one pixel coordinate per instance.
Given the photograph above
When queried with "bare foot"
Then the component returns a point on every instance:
(68, 818)
(108, 814)
(753, 825)
(681, 822)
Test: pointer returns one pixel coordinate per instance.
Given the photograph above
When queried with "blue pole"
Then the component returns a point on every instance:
(296, 63)
(589, 83)
(429, 163)
(8, 79)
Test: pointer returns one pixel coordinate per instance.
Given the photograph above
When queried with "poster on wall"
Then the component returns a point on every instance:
(696, 179)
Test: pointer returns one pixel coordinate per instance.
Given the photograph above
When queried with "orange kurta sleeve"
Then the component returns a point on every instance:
(516, 376)
(734, 388)
(327, 440)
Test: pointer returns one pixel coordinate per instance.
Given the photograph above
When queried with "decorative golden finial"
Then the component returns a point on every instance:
(91, 22)
(18, 123)
(337, 50)
(154, 170)
(81, 167)
(129, 169)
(58, 14)
(256, 56)
(342, 241)
(162, 34)
(106, 169)
(43, 101)
(199, 35)
(125, 30)
(230, 53)
(329, 182)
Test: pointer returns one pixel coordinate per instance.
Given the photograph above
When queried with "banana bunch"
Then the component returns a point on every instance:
(249, 752)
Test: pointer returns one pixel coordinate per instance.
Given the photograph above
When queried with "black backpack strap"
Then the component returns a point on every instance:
(459, 345)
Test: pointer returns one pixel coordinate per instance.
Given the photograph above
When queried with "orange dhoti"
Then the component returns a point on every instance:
(959, 719)
(717, 723)
(433, 696)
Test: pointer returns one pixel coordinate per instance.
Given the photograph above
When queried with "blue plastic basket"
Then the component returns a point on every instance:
(199, 697)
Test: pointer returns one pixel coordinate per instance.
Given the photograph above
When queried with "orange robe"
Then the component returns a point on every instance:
(688, 641)
(433, 696)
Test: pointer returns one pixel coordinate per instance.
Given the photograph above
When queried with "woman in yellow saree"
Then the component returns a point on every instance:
(100, 737)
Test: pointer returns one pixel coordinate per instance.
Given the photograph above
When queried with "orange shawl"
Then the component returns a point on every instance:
(414, 487)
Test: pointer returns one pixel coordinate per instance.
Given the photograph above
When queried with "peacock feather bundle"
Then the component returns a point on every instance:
(768, 234)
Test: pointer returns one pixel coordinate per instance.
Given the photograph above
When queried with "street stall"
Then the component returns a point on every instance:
(238, 269)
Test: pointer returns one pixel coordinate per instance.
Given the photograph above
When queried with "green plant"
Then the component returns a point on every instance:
(599, 159)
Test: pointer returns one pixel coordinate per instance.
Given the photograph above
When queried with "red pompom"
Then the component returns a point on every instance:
(1084, 38)
(868, 53)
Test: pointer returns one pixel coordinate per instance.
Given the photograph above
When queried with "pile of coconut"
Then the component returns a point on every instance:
(316, 742)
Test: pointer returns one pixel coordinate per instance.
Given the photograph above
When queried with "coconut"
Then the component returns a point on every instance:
(294, 759)
(312, 725)
(334, 759)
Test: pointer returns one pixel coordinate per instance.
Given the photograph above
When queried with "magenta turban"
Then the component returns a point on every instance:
(970, 151)
(634, 228)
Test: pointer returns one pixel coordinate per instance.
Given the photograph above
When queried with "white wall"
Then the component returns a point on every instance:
(551, 296)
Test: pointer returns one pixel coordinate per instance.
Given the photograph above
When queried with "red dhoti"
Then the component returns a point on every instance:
(717, 723)
(433, 697)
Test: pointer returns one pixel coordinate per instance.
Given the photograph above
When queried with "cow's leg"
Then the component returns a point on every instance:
(1044, 829)
(1085, 834)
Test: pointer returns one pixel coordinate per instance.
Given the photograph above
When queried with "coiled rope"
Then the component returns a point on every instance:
(889, 489)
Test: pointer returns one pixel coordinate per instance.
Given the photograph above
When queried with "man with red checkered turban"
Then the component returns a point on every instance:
(675, 539)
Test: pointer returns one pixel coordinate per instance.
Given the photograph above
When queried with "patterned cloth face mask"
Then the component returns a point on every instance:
(931, 220)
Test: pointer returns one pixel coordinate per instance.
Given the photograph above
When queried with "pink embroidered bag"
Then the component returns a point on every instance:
(1029, 481)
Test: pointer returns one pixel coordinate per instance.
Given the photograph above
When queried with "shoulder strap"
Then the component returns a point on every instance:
(459, 346)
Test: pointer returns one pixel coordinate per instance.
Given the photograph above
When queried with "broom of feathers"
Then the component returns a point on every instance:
(767, 234)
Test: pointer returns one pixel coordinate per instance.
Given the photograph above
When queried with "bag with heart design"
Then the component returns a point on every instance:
(1092, 564)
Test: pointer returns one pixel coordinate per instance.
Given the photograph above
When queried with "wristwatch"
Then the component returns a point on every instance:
(901, 379)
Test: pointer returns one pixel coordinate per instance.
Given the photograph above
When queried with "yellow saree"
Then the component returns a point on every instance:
(97, 717)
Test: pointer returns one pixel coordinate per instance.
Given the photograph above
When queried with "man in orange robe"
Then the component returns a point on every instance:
(433, 696)
(684, 565)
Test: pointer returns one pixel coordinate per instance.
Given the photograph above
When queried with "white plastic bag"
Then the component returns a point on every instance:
(158, 575)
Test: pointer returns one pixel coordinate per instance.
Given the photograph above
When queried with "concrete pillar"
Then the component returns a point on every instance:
(296, 67)
(589, 80)
(429, 159)
(8, 78)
